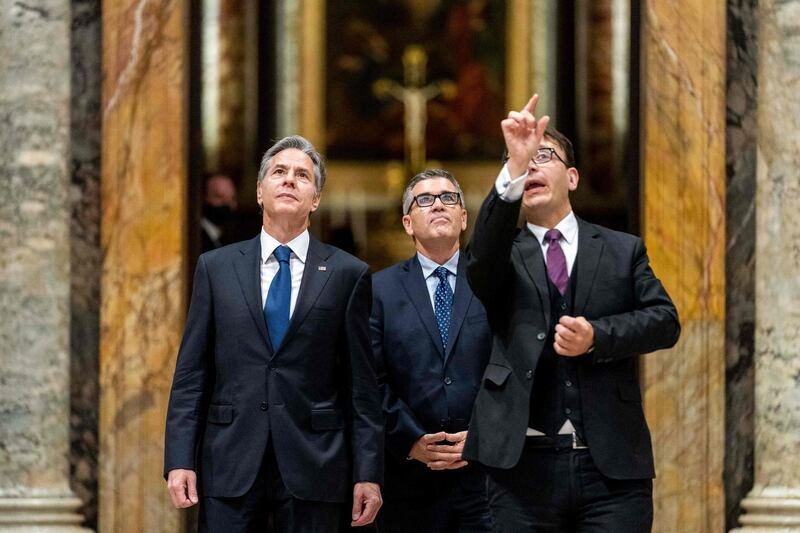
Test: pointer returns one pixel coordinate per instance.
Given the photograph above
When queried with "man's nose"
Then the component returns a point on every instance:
(290, 178)
(438, 205)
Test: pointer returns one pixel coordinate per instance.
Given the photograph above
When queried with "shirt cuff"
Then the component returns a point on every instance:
(509, 190)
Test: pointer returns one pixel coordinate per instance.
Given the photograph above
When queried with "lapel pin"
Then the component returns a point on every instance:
(322, 268)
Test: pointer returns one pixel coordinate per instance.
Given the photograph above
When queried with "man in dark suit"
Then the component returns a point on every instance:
(572, 306)
(275, 408)
(431, 339)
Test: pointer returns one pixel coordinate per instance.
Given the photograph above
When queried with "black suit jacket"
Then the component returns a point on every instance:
(616, 291)
(315, 395)
(425, 388)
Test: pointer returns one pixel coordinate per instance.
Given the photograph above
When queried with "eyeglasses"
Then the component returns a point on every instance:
(427, 199)
(543, 155)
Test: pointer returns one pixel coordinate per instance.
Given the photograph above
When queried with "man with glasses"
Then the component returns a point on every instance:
(431, 341)
(558, 418)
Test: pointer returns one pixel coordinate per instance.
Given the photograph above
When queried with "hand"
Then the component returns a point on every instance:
(458, 440)
(574, 336)
(425, 451)
(366, 502)
(523, 134)
(182, 486)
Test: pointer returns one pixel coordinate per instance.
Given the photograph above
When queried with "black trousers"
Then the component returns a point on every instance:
(562, 491)
(268, 506)
(423, 501)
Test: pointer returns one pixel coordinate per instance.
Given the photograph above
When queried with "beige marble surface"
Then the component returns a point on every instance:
(774, 501)
(683, 186)
(144, 179)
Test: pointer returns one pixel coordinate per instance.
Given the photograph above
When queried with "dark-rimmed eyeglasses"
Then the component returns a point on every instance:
(545, 155)
(427, 199)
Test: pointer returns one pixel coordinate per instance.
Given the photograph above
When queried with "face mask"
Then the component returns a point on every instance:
(217, 214)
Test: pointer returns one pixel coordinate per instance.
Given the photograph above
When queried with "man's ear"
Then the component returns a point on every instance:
(463, 219)
(407, 225)
(574, 178)
(315, 201)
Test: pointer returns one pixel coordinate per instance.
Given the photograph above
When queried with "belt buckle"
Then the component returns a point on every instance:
(575, 445)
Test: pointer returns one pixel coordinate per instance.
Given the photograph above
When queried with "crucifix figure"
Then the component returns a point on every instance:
(414, 95)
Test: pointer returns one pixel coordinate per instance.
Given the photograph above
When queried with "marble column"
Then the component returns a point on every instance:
(143, 236)
(34, 269)
(774, 502)
(683, 224)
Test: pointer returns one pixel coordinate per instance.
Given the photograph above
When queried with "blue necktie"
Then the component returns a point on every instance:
(443, 304)
(276, 308)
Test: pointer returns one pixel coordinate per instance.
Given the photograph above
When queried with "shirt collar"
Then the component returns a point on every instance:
(298, 245)
(568, 226)
(429, 265)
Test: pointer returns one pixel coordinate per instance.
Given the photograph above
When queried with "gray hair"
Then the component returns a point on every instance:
(299, 143)
(428, 174)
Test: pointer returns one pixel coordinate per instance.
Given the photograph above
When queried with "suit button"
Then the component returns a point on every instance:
(264, 406)
(270, 366)
(563, 305)
(529, 374)
(568, 411)
(568, 383)
(447, 381)
(541, 336)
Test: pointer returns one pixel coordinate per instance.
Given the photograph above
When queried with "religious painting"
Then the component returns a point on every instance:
(452, 52)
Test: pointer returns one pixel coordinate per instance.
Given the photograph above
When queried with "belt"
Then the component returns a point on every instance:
(558, 442)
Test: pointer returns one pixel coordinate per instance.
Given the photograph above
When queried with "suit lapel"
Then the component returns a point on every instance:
(590, 249)
(417, 290)
(461, 301)
(530, 254)
(314, 280)
(247, 266)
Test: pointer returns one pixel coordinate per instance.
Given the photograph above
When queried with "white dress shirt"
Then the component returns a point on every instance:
(269, 264)
(432, 280)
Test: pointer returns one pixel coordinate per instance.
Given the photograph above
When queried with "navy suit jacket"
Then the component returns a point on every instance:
(616, 291)
(315, 395)
(425, 388)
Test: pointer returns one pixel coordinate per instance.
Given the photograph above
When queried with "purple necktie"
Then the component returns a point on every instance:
(556, 261)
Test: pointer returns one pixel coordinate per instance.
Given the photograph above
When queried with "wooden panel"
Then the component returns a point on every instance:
(144, 175)
(683, 118)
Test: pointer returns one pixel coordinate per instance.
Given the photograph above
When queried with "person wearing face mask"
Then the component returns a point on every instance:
(431, 342)
(218, 210)
(558, 419)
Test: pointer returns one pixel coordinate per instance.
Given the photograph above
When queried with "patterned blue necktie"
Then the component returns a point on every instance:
(443, 304)
(276, 308)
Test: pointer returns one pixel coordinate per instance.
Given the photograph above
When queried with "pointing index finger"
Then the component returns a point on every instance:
(531, 105)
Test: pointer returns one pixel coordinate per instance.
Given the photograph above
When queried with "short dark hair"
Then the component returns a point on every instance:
(428, 174)
(559, 139)
(564, 143)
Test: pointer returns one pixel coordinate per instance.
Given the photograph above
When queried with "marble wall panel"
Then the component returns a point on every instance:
(144, 181)
(683, 222)
(740, 162)
(85, 257)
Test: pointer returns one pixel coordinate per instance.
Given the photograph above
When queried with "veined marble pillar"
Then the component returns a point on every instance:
(34, 269)
(774, 502)
(143, 235)
(683, 224)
